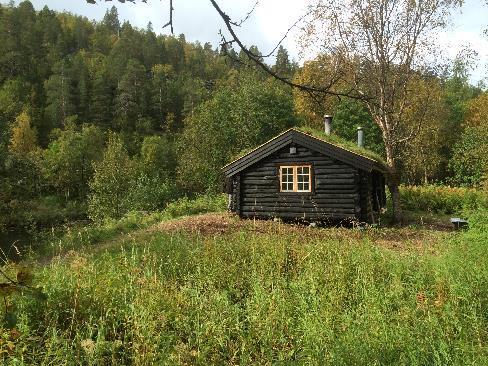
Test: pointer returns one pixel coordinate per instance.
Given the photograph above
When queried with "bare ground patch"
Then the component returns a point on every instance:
(423, 239)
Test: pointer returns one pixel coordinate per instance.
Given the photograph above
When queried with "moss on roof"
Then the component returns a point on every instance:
(343, 144)
(331, 139)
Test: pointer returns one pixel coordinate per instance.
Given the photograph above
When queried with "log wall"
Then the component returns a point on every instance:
(335, 189)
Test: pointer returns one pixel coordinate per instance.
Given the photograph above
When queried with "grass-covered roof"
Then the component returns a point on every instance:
(343, 144)
(331, 139)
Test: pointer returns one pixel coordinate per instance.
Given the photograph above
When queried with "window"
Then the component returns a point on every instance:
(296, 178)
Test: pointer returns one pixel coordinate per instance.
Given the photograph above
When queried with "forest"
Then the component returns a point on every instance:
(116, 243)
(101, 118)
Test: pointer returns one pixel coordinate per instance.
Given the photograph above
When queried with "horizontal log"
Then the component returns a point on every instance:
(259, 182)
(318, 197)
(298, 215)
(319, 182)
(311, 204)
(347, 210)
(269, 174)
(320, 203)
(298, 154)
(335, 187)
(320, 171)
(333, 181)
(256, 192)
(274, 172)
(298, 209)
(283, 161)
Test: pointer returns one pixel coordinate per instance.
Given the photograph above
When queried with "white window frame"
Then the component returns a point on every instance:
(295, 178)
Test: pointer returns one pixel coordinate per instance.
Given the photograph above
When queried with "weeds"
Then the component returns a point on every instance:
(443, 199)
(267, 297)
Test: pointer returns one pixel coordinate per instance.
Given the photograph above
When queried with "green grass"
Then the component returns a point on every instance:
(80, 235)
(263, 294)
(443, 199)
(343, 143)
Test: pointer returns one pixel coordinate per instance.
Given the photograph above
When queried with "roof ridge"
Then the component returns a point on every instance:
(257, 147)
(336, 145)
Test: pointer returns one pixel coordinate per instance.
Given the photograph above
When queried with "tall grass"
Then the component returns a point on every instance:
(76, 237)
(261, 298)
(443, 199)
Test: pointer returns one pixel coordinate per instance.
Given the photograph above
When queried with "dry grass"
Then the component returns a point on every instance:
(422, 239)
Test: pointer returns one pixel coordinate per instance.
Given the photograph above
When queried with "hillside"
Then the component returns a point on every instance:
(214, 289)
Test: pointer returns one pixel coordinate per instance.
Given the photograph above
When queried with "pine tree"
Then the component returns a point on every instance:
(283, 66)
(101, 101)
(111, 21)
(129, 101)
(59, 94)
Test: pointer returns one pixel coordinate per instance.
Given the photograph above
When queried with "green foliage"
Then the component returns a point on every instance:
(239, 116)
(443, 199)
(23, 141)
(68, 160)
(281, 296)
(129, 103)
(345, 144)
(158, 158)
(348, 116)
(112, 179)
(59, 94)
(200, 204)
(42, 211)
(469, 161)
(13, 95)
(121, 184)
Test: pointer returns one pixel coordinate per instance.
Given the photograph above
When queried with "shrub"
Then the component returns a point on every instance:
(470, 157)
(200, 204)
(112, 179)
(442, 199)
(121, 184)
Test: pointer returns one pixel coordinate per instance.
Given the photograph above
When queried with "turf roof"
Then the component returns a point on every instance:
(343, 144)
(331, 139)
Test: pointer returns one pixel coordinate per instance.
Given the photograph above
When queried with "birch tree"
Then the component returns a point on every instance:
(384, 45)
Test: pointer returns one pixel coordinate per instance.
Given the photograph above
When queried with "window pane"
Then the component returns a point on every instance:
(287, 179)
(302, 173)
(287, 186)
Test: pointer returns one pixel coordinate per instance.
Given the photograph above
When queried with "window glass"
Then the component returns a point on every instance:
(295, 178)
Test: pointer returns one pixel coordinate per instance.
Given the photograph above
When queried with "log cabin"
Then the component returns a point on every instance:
(303, 176)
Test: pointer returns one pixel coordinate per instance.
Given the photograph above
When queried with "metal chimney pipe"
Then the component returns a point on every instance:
(327, 124)
(360, 137)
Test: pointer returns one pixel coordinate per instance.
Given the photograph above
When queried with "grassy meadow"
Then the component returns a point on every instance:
(213, 289)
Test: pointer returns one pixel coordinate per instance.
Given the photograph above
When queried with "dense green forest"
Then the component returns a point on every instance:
(101, 118)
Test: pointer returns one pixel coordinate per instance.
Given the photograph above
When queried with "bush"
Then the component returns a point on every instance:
(200, 204)
(470, 157)
(112, 179)
(442, 199)
(121, 184)
(149, 194)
